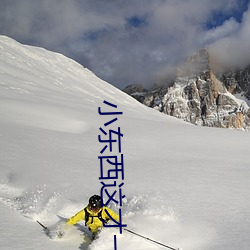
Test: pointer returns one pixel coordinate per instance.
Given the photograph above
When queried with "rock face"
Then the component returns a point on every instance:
(137, 91)
(201, 97)
(237, 81)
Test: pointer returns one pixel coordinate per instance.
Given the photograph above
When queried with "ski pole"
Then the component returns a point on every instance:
(159, 243)
(45, 228)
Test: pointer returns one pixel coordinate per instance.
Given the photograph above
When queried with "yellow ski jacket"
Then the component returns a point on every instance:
(93, 222)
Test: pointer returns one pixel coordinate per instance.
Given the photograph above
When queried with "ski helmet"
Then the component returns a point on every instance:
(95, 202)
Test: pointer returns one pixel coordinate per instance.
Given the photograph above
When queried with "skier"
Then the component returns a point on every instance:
(94, 214)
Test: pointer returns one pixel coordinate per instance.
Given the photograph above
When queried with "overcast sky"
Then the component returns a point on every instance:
(131, 41)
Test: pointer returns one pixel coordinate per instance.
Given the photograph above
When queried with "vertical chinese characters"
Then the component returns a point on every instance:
(111, 166)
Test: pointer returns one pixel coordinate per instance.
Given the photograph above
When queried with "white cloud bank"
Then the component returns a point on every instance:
(129, 41)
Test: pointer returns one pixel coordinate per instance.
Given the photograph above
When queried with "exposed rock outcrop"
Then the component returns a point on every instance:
(201, 97)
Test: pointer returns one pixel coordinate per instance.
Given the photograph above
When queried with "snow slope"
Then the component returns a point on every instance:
(185, 186)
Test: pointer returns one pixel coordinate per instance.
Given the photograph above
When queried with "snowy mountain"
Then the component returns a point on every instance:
(186, 186)
(201, 96)
(237, 81)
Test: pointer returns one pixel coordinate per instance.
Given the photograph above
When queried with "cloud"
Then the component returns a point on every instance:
(124, 42)
(232, 50)
(228, 28)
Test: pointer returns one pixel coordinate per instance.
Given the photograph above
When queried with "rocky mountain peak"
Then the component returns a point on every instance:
(200, 96)
(196, 64)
